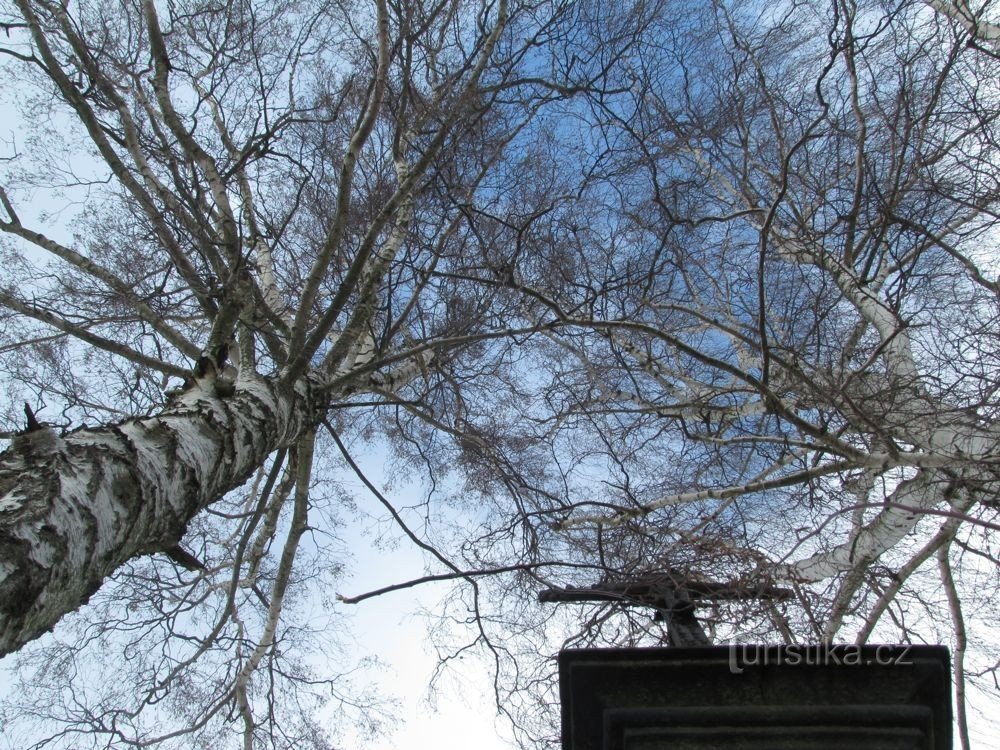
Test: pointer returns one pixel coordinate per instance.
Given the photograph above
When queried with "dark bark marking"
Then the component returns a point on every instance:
(20, 590)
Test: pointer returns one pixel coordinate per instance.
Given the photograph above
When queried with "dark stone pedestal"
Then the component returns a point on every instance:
(757, 698)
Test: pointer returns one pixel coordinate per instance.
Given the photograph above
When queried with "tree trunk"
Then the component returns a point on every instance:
(74, 508)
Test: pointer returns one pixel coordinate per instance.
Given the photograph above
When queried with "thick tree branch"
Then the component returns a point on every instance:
(132, 487)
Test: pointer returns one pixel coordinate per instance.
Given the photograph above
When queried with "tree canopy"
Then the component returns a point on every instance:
(624, 288)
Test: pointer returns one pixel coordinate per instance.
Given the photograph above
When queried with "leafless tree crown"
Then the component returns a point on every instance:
(705, 290)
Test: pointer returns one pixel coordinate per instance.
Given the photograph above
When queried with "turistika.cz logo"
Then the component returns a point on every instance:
(742, 656)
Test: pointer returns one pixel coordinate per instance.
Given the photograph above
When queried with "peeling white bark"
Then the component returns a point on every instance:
(913, 416)
(885, 531)
(960, 12)
(72, 512)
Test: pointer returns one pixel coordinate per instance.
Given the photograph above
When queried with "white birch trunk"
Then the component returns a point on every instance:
(73, 509)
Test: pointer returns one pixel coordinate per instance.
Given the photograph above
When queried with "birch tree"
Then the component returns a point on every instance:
(788, 278)
(268, 211)
(706, 288)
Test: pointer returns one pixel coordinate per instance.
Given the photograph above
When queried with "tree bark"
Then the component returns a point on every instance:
(74, 508)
